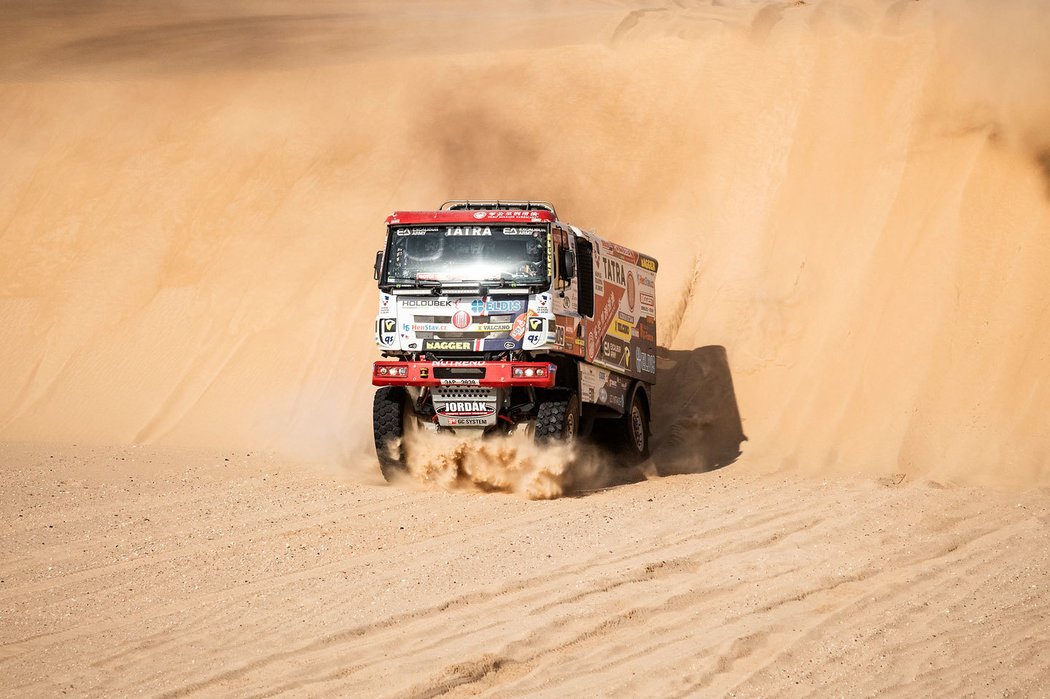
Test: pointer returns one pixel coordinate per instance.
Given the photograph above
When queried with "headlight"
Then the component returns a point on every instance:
(517, 372)
(530, 372)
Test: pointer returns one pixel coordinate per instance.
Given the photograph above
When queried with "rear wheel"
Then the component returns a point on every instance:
(635, 428)
(558, 418)
(391, 415)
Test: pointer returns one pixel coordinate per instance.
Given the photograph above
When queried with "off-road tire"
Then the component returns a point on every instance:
(388, 426)
(634, 429)
(558, 417)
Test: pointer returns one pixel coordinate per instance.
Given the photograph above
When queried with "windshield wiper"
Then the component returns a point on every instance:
(433, 284)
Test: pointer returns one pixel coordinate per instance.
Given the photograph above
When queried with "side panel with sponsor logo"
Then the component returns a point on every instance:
(621, 335)
(603, 387)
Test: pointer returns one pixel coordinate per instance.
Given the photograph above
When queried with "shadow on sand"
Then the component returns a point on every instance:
(696, 421)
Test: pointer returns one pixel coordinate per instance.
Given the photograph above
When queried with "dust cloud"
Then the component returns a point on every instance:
(849, 197)
(515, 464)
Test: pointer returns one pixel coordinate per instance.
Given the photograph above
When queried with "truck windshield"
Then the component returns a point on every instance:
(511, 255)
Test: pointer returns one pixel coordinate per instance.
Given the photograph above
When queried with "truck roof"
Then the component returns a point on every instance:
(471, 216)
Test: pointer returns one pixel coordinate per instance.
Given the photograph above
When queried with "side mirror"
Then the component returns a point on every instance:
(378, 266)
(568, 265)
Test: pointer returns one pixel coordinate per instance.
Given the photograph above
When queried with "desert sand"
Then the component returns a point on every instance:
(850, 488)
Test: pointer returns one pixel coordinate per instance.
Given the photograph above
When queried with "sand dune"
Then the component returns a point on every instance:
(850, 200)
(850, 195)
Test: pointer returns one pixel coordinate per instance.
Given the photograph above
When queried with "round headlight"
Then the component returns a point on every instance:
(383, 370)
(530, 372)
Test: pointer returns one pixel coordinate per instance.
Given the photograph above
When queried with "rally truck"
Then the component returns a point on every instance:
(497, 317)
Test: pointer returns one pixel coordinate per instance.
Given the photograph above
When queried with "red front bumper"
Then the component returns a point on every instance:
(492, 374)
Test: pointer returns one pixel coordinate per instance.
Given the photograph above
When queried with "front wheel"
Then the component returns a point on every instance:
(391, 411)
(558, 417)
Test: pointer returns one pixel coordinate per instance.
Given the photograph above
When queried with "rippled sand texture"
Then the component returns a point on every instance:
(850, 200)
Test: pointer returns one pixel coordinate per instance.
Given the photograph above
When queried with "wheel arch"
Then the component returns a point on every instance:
(643, 391)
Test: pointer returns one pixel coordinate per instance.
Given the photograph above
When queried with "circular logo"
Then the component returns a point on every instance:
(630, 291)
(480, 214)
(461, 319)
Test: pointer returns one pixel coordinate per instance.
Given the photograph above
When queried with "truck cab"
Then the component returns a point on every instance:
(495, 317)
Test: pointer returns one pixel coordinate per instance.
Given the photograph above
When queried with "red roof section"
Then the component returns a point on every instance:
(470, 216)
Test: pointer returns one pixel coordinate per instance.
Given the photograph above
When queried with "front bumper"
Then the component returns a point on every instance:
(464, 373)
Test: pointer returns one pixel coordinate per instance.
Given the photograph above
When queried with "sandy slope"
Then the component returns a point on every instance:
(849, 197)
(851, 204)
(132, 570)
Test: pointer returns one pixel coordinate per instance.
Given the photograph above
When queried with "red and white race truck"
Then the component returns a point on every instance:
(495, 316)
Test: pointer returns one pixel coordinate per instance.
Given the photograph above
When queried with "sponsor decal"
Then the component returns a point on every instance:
(517, 214)
(614, 272)
(630, 291)
(518, 330)
(621, 330)
(619, 251)
(461, 319)
(647, 263)
(533, 339)
(646, 280)
(647, 299)
(612, 351)
(535, 324)
(493, 327)
(646, 330)
(466, 421)
(481, 307)
(448, 345)
(466, 408)
(389, 325)
(468, 230)
(426, 327)
(509, 345)
(508, 230)
(606, 309)
(426, 303)
(645, 362)
(424, 372)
